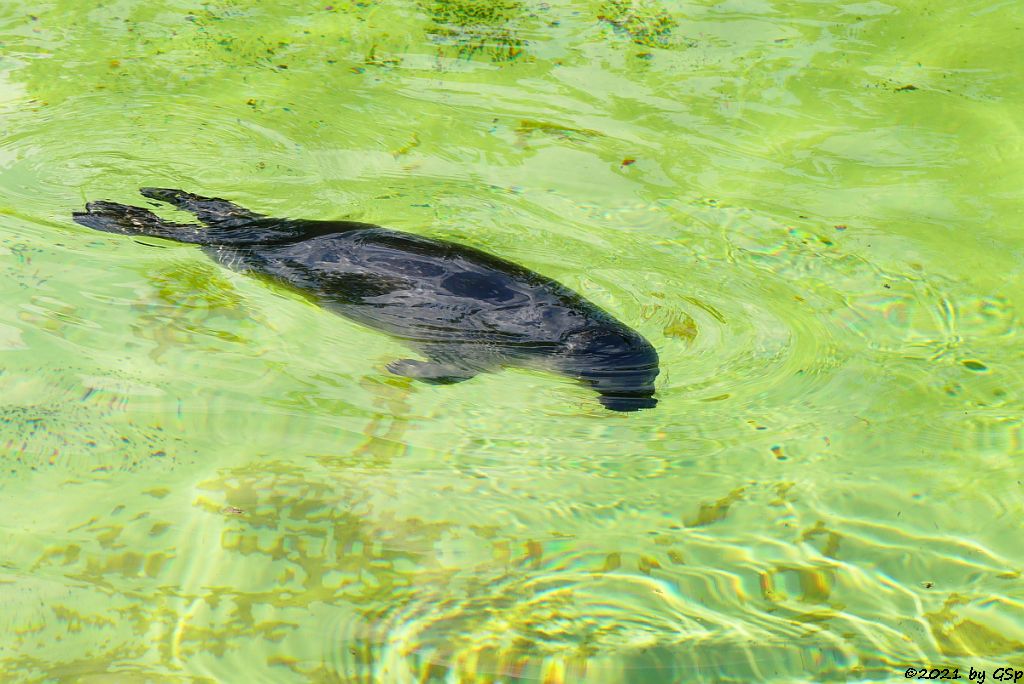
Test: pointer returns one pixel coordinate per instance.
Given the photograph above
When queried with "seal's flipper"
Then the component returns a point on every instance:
(430, 372)
(111, 217)
(209, 210)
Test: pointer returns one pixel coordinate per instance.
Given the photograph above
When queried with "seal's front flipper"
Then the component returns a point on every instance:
(209, 210)
(111, 217)
(431, 372)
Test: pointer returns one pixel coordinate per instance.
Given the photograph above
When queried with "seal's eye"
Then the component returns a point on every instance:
(610, 340)
(603, 341)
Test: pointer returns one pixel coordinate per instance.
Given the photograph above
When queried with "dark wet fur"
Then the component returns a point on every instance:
(466, 311)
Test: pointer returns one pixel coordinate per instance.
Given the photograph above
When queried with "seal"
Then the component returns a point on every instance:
(464, 310)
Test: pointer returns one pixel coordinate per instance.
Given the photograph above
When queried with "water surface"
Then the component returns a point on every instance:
(811, 209)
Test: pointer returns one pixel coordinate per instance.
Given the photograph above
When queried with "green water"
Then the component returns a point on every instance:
(812, 209)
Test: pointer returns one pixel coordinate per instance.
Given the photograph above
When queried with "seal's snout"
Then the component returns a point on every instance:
(620, 365)
(628, 402)
(624, 389)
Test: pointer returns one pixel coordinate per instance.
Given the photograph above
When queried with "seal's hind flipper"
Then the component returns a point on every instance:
(111, 217)
(430, 372)
(209, 210)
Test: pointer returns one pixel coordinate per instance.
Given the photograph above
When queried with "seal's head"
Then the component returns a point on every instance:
(616, 362)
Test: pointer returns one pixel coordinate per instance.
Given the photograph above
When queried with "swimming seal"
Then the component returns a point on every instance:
(466, 311)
